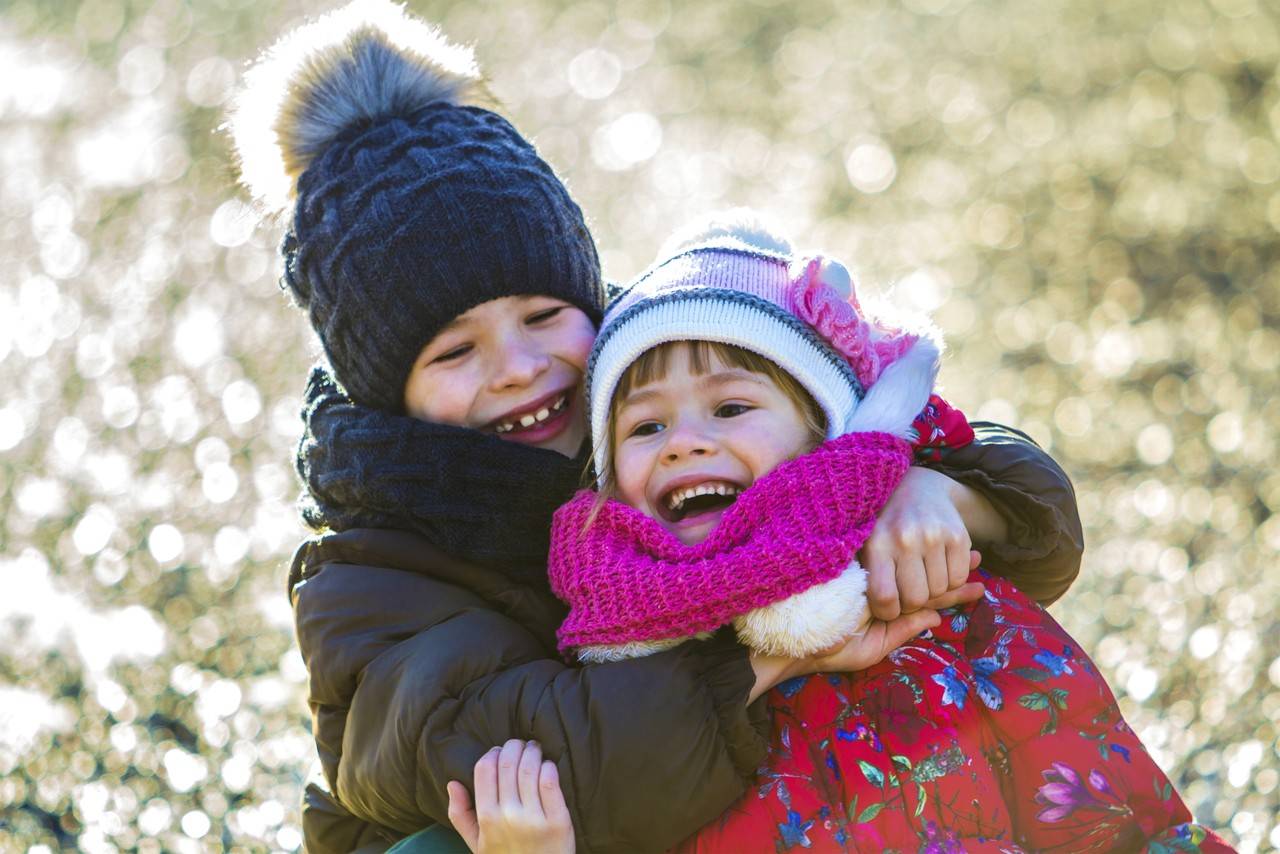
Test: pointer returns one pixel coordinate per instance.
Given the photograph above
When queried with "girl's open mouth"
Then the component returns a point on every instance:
(687, 503)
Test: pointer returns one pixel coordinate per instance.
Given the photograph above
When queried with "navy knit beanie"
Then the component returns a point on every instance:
(406, 204)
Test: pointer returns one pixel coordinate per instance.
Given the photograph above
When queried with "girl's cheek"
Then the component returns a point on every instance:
(631, 484)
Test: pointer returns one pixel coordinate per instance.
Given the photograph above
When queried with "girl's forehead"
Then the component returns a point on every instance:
(682, 381)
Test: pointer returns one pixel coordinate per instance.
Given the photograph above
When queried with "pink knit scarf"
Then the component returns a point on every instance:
(626, 578)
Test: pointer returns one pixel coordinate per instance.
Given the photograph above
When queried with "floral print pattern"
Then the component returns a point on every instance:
(992, 733)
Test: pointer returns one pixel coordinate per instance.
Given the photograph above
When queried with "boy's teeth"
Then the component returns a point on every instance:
(535, 418)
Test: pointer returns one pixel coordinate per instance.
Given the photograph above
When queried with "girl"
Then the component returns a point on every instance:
(455, 290)
(748, 422)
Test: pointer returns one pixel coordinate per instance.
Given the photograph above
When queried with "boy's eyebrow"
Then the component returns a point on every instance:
(457, 321)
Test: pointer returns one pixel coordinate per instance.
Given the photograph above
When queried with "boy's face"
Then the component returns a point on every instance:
(512, 367)
(687, 444)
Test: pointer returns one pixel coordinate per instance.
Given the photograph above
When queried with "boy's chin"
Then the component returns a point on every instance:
(566, 442)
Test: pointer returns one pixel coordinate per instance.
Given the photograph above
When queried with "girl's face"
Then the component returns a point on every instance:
(512, 367)
(687, 444)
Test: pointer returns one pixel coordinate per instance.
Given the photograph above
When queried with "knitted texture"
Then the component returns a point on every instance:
(405, 206)
(724, 292)
(837, 316)
(402, 226)
(476, 496)
(626, 578)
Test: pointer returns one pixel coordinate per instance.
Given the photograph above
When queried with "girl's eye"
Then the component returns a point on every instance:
(541, 316)
(731, 410)
(648, 428)
(451, 355)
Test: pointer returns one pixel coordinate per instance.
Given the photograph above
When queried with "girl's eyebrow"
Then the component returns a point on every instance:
(731, 375)
(639, 396)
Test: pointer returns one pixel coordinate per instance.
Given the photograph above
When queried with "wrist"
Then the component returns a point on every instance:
(980, 517)
(770, 670)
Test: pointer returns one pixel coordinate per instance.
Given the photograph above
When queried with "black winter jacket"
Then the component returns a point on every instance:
(420, 662)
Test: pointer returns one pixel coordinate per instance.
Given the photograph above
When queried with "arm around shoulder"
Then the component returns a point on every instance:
(647, 750)
(1043, 539)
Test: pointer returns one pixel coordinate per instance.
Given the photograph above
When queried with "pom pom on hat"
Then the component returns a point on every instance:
(355, 65)
(735, 228)
(406, 200)
(731, 278)
(836, 276)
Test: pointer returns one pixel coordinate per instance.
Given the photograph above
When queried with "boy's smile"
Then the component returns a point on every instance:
(512, 367)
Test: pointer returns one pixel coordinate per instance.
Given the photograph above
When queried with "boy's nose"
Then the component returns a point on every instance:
(519, 364)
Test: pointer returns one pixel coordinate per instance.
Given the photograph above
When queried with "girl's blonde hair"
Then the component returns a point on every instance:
(653, 364)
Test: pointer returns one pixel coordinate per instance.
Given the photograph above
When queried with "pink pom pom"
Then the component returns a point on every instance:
(822, 295)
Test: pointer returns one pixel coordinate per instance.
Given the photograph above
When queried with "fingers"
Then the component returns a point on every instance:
(552, 796)
(937, 566)
(461, 815)
(486, 785)
(508, 770)
(975, 559)
(957, 571)
(882, 584)
(965, 593)
(913, 579)
(519, 803)
(908, 626)
(527, 774)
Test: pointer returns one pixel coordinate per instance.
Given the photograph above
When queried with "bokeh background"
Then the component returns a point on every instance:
(1085, 194)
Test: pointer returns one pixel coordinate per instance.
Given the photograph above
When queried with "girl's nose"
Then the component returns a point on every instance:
(687, 440)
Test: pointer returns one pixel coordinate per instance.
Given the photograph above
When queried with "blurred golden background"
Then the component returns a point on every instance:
(1085, 194)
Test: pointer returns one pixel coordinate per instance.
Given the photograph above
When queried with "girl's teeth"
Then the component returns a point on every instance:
(680, 496)
(543, 415)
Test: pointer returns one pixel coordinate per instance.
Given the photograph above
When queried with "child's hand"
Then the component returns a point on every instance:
(920, 547)
(519, 807)
(882, 637)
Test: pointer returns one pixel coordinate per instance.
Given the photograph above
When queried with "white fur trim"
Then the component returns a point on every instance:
(602, 653)
(810, 621)
(899, 394)
(364, 61)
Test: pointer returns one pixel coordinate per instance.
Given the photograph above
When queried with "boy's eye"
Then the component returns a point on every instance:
(450, 355)
(539, 317)
(730, 410)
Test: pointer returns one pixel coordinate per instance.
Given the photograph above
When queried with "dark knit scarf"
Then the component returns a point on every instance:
(475, 496)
